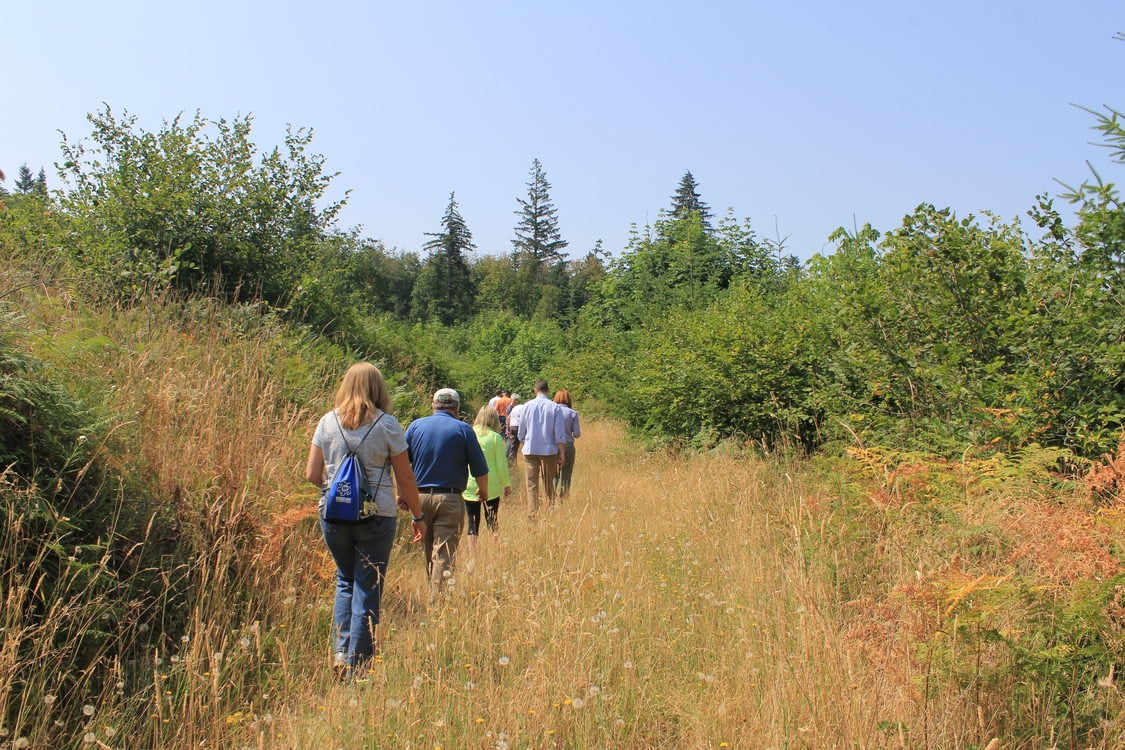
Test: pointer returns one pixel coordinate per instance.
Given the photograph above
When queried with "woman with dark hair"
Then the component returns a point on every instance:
(572, 430)
(361, 423)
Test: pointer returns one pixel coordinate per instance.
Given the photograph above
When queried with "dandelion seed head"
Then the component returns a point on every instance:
(50, 699)
(87, 710)
(89, 738)
(577, 703)
(245, 641)
(21, 742)
(503, 661)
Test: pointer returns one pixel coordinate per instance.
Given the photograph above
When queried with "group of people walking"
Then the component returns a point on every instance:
(443, 470)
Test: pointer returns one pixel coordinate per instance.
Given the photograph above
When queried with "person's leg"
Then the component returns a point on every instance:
(533, 466)
(472, 512)
(430, 509)
(550, 470)
(492, 515)
(567, 470)
(449, 517)
(338, 538)
(373, 542)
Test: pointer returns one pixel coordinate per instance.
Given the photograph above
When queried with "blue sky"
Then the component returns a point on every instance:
(801, 116)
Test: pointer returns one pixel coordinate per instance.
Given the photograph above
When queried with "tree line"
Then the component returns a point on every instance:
(942, 333)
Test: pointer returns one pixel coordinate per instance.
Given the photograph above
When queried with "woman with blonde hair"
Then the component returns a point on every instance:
(487, 429)
(571, 430)
(361, 423)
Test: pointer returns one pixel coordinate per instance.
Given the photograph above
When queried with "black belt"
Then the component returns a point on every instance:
(441, 490)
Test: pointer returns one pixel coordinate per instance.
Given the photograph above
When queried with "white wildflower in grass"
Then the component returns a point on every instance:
(577, 703)
(89, 738)
(87, 710)
(628, 664)
(447, 574)
(592, 691)
(21, 742)
(50, 699)
(503, 661)
(185, 638)
(245, 642)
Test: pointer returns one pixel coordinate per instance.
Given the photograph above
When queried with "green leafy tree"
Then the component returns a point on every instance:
(194, 205)
(444, 291)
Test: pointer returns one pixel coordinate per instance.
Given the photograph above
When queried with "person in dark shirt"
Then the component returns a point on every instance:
(443, 452)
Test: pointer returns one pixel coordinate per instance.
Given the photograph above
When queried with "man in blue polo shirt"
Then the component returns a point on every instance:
(443, 452)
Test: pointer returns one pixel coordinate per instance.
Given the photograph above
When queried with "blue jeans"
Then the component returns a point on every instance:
(361, 551)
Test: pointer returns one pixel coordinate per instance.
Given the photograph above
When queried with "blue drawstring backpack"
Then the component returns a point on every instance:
(349, 488)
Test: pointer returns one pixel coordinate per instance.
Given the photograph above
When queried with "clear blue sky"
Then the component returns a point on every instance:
(802, 116)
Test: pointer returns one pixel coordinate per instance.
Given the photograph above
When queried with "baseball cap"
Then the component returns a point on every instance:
(447, 396)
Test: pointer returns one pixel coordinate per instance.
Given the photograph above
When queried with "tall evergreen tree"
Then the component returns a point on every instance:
(538, 248)
(444, 290)
(41, 183)
(25, 181)
(687, 201)
(537, 233)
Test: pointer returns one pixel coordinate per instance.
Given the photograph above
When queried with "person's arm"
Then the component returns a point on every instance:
(314, 469)
(407, 488)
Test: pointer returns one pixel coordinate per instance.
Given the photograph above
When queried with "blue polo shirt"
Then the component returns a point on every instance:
(443, 451)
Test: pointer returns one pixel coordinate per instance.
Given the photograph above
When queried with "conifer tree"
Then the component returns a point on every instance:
(41, 183)
(444, 290)
(25, 181)
(687, 201)
(537, 233)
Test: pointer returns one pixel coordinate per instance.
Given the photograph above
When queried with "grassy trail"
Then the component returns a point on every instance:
(666, 604)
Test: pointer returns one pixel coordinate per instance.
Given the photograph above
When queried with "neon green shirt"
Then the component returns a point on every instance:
(496, 455)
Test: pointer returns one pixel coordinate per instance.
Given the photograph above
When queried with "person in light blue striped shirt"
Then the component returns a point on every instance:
(541, 434)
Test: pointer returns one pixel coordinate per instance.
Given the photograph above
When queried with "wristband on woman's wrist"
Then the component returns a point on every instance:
(417, 519)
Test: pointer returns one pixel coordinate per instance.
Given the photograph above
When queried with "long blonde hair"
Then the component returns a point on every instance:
(487, 419)
(360, 393)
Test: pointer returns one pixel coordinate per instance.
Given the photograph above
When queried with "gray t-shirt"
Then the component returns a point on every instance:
(386, 439)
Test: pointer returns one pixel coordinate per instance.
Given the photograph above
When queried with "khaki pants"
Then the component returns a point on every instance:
(545, 467)
(445, 516)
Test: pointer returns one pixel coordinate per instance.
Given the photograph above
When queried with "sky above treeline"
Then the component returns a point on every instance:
(801, 116)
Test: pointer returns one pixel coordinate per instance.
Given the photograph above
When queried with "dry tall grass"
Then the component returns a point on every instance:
(691, 601)
(668, 603)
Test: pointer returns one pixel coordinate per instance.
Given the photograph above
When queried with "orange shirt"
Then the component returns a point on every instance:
(503, 406)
